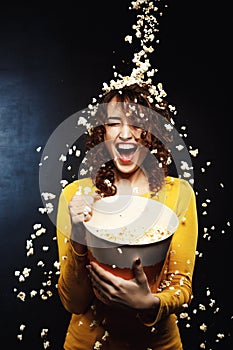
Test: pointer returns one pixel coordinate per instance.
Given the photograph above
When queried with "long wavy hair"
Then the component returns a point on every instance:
(151, 116)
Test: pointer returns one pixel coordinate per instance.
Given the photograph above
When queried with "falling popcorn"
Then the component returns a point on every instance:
(98, 345)
(62, 158)
(93, 323)
(21, 295)
(105, 336)
(194, 152)
(203, 327)
(33, 293)
(20, 337)
(46, 344)
(180, 147)
(129, 38)
(47, 195)
(142, 72)
(82, 121)
(63, 183)
(22, 327)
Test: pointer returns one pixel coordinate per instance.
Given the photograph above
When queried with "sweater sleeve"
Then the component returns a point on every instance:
(74, 286)
(175, 291)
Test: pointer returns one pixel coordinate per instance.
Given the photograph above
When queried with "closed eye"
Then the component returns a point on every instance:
(113, 121)
(135, 126)
(117, 122)
(113, 124)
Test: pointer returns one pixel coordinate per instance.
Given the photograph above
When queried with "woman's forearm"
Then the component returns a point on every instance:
(74, 286)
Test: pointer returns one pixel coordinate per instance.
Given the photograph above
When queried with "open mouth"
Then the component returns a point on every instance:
(126, 151)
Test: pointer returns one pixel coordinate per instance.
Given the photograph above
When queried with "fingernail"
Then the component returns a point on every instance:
(138, 261)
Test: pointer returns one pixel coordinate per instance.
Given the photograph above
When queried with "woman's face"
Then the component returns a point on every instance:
(123, 139)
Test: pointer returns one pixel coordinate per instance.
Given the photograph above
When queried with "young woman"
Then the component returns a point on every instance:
(127, 141)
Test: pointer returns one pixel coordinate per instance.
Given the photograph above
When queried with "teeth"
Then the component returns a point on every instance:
(125, 146)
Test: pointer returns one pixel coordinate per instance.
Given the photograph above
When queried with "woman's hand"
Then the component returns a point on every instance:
(80, 209)
(134, 293)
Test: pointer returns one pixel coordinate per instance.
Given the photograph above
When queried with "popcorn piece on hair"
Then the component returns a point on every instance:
(98, 345)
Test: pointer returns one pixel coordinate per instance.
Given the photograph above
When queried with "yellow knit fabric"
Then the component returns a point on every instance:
(94, 324)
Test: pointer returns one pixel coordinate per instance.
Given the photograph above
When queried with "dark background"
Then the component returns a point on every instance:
(53, 60)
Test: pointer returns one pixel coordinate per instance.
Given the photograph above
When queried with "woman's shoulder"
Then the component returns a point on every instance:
(172, 180)
(179, 195)
(183, 185)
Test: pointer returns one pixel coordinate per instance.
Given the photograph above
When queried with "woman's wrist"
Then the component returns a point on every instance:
(148, 316)
(79, 249)
(78, 239)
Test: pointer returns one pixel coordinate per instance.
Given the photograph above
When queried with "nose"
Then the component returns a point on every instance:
(126, 132)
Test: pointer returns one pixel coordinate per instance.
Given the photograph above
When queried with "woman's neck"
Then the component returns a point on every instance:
(135, 183)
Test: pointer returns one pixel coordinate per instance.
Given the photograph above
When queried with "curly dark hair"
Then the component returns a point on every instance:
(152, 117)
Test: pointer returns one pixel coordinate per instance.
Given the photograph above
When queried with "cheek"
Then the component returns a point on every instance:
(108, 142)
(143, 152)
(109, 135)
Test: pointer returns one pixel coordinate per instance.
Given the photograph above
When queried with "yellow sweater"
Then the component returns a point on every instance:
(94, 325)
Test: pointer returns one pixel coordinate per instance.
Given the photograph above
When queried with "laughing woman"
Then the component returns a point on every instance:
(128, 141)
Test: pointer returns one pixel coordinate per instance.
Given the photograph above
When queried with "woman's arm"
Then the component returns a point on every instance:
(74, 285)
(175, 292)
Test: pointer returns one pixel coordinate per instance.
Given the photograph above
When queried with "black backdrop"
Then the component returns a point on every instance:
(53, 60)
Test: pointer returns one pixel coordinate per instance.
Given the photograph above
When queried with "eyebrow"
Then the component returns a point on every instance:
(112, 117)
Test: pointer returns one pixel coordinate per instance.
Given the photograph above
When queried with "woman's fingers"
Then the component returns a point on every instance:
(103, 283)
(81, 208)
(138, 271)
(102, 275)
(131, 293)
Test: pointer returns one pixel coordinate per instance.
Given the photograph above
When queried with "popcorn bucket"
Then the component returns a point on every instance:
(125, 227)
